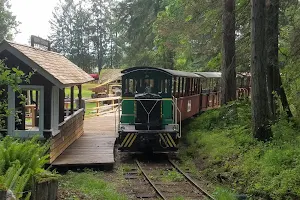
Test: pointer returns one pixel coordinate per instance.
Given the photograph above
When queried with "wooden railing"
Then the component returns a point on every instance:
(103, 105)
(69, 131)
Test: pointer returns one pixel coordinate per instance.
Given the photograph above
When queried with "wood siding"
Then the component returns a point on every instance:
(70, 131)
(36, 79)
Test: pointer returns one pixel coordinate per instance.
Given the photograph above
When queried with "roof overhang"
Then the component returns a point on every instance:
(35, 67)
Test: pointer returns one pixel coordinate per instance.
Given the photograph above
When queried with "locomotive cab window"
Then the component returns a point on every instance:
(147, 81)
(128, 87)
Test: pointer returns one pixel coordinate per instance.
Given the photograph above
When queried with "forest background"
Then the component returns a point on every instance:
(174, 34)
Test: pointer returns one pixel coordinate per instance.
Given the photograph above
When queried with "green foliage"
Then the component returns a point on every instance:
(8, 21)
(15, 180)
(29, 153)
(172, 176)
(289, 53)
(9, 77)
(221, 140)
(89, 183)
(223, 194)
(20, 161)
(87, 33)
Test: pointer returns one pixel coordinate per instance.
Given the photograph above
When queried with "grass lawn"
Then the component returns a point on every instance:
(89, 185)
(86, 93)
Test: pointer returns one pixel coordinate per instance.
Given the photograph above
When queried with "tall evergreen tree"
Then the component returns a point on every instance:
(8, 22)
(137, 18)
(259, 98)
(228, 80)
(82, 32)
(99, 27)
(61, 35)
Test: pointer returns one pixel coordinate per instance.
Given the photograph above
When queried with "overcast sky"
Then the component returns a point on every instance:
(34, 16)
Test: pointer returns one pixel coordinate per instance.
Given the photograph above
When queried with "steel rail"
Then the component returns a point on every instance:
(149, 180)
(191, 180)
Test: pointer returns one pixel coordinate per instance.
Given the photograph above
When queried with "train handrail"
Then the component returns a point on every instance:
(118, 110)
(175, 117)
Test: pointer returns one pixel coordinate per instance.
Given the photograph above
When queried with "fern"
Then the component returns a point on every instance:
(20, 161)
(30, 153)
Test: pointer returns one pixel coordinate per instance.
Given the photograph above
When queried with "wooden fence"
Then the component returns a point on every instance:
(103, 105)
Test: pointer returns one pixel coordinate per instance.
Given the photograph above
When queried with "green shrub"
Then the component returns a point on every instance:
(222, 141)
(223, 194)
(30, 153)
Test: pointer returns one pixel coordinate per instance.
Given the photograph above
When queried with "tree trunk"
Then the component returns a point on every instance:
(273, 72)
(285, 104)
(259, 97)
(228, 89)
(272, 51)
(100, 55)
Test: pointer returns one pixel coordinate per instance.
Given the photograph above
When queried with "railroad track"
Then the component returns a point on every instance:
(167, 182)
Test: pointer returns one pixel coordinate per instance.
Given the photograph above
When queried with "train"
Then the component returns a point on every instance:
(155, 101)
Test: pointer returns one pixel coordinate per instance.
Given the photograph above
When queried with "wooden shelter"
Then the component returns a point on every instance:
(44, 112)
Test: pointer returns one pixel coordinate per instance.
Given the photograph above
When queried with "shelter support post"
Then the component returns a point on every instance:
(72, 100)
(61, 105)
(79, 96)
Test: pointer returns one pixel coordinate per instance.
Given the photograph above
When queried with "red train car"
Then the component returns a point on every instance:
(186, 93)
(156, 100)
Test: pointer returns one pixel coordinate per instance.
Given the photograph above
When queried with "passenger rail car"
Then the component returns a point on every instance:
(154, 103)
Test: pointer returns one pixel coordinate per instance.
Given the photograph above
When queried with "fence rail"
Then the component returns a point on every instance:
(103, 105)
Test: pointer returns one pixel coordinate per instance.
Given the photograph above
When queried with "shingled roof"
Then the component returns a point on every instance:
(108, 75)
(53, 66)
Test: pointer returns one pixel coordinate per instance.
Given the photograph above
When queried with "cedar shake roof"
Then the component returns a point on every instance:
(109, 75)
(53, 66)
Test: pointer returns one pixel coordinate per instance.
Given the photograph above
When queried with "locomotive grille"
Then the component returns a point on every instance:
(148, 114)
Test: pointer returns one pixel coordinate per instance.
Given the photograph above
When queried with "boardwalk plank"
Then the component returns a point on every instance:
(95, 146)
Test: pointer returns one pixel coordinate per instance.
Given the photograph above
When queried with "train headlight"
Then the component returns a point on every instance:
(122, 128)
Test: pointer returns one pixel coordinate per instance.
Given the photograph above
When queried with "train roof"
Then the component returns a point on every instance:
(209, 74)
(168, 71)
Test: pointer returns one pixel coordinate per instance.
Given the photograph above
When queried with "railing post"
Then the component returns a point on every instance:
(72, 100)
(97, 105)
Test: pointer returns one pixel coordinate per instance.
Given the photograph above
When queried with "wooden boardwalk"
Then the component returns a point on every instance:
(95, 146)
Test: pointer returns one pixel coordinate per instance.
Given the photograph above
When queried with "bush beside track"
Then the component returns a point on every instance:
(219, 147)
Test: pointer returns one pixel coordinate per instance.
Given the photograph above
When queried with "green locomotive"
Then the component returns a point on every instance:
(149, 118)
